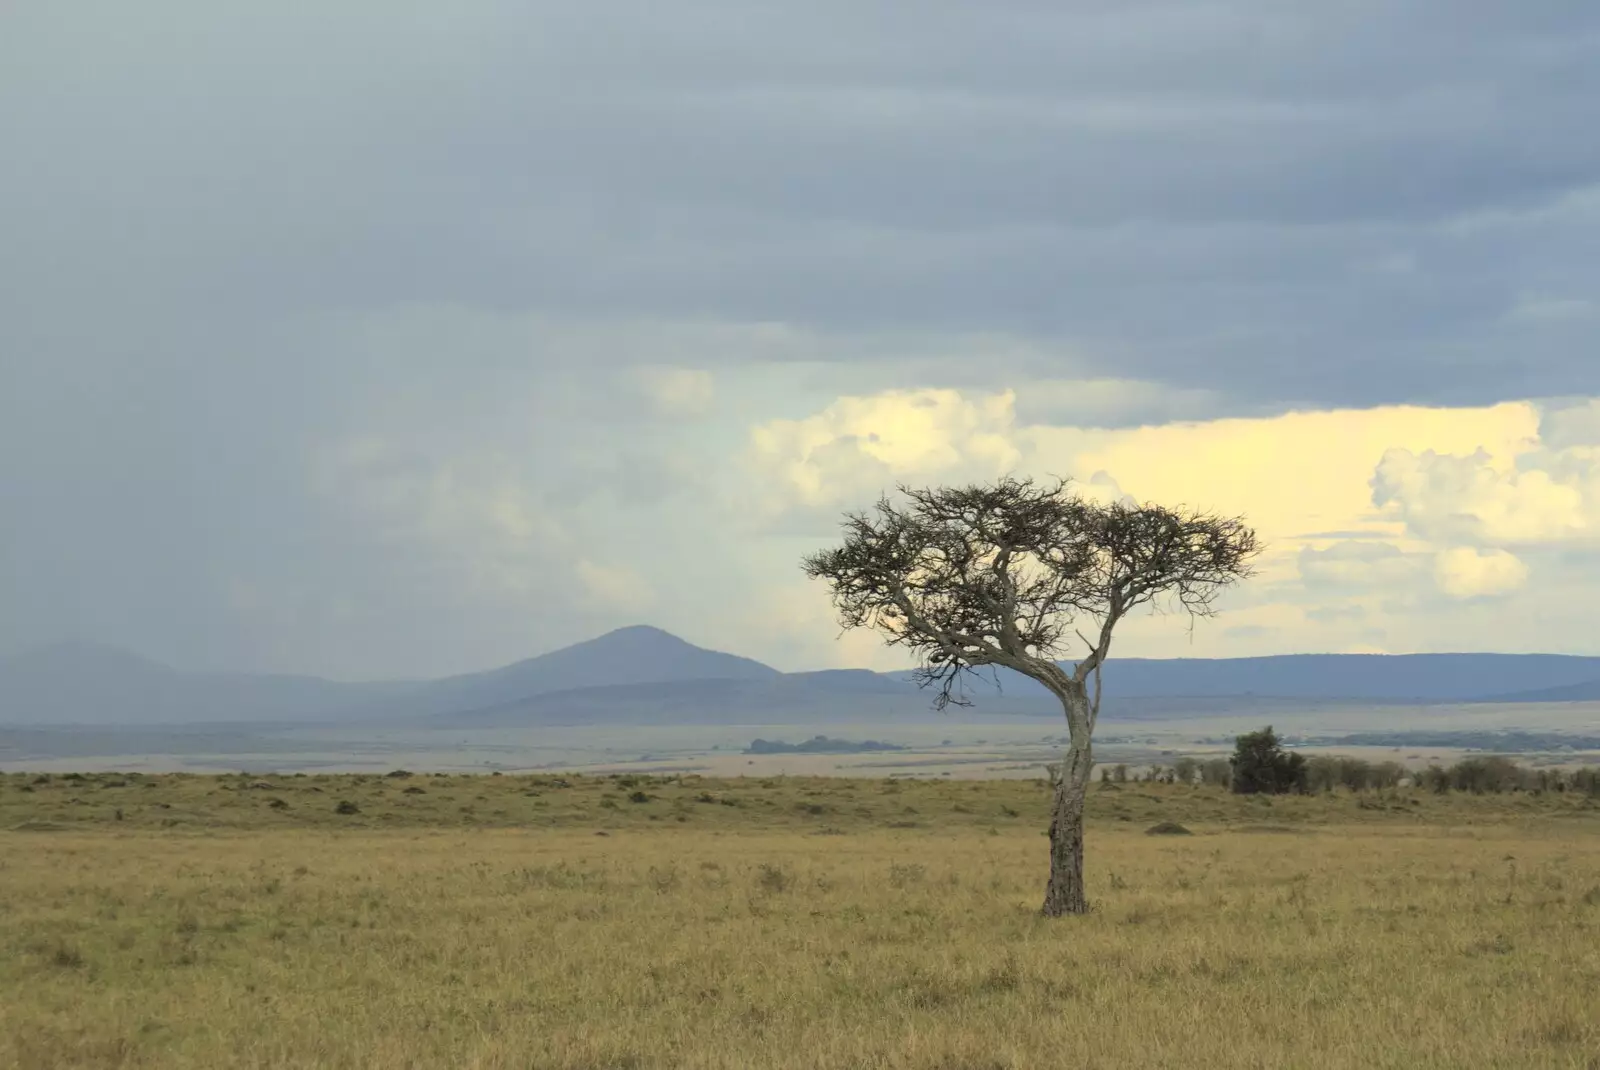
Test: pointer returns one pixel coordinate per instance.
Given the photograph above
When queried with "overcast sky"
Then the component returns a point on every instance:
(373, 339)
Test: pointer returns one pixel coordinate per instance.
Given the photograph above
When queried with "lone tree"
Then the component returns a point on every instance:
(1006, 575)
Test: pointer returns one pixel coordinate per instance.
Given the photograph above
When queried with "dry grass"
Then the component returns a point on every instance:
(1312, 932)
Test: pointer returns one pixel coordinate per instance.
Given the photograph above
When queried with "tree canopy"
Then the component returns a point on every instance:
(1008, 574)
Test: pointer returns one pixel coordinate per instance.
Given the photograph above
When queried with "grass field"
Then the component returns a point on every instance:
(485, 922)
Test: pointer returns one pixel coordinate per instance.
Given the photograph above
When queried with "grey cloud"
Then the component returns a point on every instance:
(235, 237)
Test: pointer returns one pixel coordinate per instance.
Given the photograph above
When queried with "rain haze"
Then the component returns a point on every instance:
(399, 340)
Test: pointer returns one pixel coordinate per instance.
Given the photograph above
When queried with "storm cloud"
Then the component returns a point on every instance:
(386, 338)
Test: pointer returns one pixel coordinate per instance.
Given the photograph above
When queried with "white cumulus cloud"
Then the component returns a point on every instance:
(1547, 496)
(859, 447)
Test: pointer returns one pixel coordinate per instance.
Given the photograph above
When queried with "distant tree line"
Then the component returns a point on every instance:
(819, 745)
(1504, 742)
(1260, 765)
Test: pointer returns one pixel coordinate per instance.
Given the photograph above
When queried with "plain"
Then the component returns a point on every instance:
(512, 921)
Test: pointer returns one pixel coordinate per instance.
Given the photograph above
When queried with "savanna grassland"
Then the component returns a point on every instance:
(511, 921)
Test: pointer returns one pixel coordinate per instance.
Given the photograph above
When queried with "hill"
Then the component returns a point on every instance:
(637, 655)
(1399, 678)
(643, 675)
(85, 683)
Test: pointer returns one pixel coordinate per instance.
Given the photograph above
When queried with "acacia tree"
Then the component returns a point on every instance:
(1008, 575)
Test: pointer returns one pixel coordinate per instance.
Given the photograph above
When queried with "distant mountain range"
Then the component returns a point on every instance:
(642, 675)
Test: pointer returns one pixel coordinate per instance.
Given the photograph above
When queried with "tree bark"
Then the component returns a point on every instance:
(1065, 892)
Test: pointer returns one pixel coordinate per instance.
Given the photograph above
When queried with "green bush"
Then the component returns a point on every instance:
(1260, 765)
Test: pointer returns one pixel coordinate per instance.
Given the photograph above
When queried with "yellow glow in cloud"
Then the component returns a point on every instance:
(1290, 475)
(1304, 480)
(858, 446)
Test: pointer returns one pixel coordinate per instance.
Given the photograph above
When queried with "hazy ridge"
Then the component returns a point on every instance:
(642, 675)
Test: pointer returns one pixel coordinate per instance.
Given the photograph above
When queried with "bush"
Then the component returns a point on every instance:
(347, 807)
(1326, 772)
(1261, 766)
(773, 878)
(1217, 771)
(904, 875)
(1488, 774)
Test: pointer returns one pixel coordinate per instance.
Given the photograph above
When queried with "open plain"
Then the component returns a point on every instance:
(536, 921)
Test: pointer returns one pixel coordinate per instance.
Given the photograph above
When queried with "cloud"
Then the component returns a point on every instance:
(681, 393)
(1467, 572)
(1341, 571)
(1351, 567)
(1182, 197)
(1552, 309)
(470, 525)
(644, 299)
(1116, 403)
(617, 586)
(1571, 426)
(1336, 614)
(859, 447)
(1539, 494)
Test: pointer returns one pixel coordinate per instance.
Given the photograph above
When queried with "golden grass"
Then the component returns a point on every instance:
(1460, 932)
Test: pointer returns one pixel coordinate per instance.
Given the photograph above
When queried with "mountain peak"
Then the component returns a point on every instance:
(636, 654)
(638, 631)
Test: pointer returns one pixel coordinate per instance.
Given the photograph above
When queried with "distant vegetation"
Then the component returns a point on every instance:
(1504, 742)
(1269, 769)
(819, 745)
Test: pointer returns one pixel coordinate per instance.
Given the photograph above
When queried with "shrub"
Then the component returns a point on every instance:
(1326, 772)
(66, 956)
(1217, 771)
(903, 875)
(1492, 773)
(663, 880)
(1261, 766)
(346, 807)
(773, 878)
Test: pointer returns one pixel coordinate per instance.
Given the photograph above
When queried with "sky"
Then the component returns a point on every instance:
(400, 339)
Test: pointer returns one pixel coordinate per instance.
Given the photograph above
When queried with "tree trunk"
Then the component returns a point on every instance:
(1065, 893)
